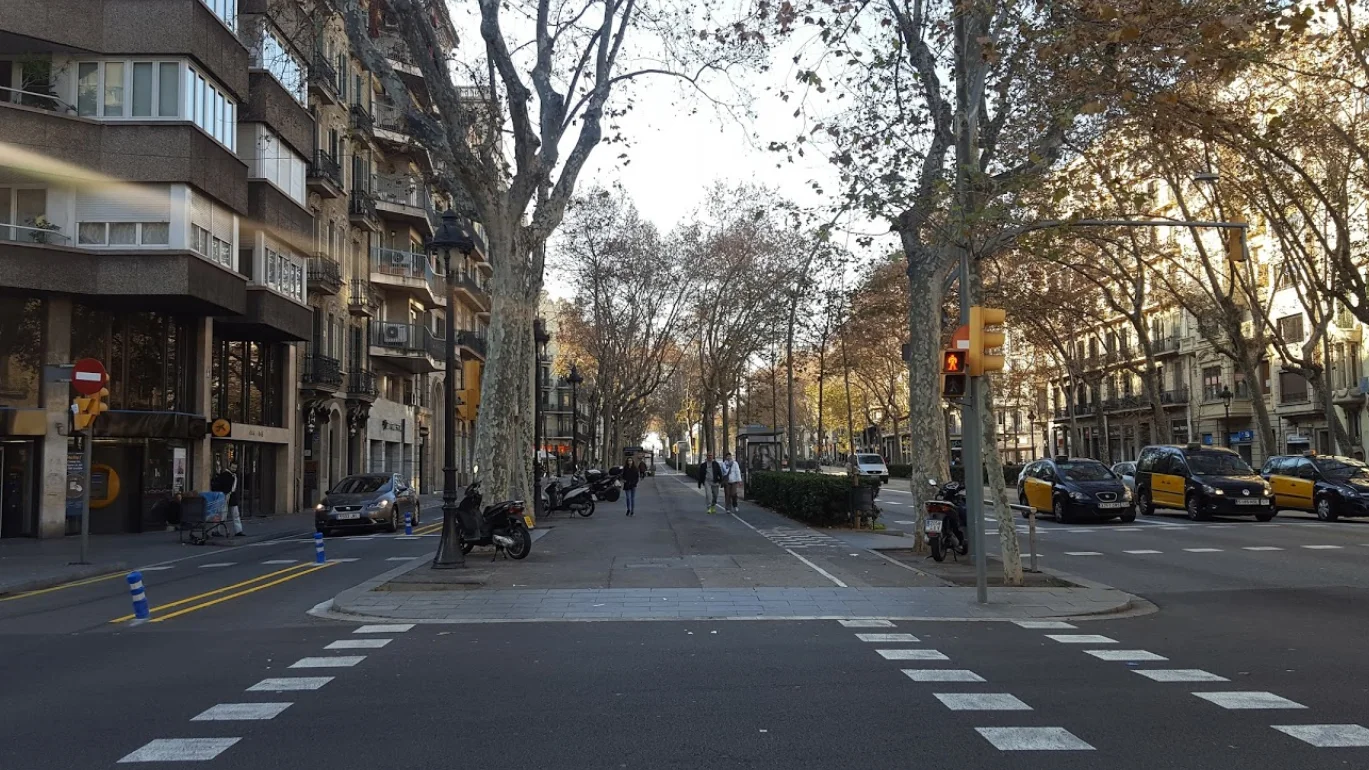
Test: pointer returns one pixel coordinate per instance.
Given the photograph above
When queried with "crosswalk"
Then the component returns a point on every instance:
(792, 537)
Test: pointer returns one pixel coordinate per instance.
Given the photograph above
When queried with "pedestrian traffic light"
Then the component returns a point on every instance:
(953, 374)
(982, 340)
(1235, 241)
(87, 408)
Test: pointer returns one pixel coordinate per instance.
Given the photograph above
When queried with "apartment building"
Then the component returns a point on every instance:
(198, 193)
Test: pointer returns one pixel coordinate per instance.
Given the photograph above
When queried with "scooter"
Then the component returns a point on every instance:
(574, 497)
(942, 523)
(503, 525)
(607, 488)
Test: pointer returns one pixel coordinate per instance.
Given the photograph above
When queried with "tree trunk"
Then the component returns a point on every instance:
(993, 464)
(1264, 428)
(898, 442)
(789, 384)
(725, 424)
(822, 360)
(929, 457)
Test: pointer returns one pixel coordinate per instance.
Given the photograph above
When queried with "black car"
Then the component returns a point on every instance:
(1329, 486)
(367, 500)
(1202, 481)
(1075, 487)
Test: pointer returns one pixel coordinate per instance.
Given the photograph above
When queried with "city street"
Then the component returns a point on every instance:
(1248, 648)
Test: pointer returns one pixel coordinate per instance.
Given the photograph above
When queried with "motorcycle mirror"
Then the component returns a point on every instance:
(932, 482)
(475, 469)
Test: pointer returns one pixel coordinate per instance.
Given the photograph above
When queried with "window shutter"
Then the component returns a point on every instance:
(150, 203)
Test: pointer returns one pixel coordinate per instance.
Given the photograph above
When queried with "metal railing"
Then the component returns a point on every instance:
(27, 234)
(325, 166)
(323, 74)
(408, 339)
(474, 341)
(1176, 396)
(1163, 345)
(325, 273)
(363, 296)
(34, 99)
(362, 383)
(361, 204)
(474, 287)
(321, 370)
(402, 190)
(362, 119)
(408, 264)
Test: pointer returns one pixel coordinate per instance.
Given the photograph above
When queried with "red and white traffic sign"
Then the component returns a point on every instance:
(88, 376)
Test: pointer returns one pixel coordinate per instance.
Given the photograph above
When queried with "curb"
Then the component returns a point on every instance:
(80, 572)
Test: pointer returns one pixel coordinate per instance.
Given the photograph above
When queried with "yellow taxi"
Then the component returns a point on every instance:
(1329, 486)
(1200, 481)
(1075, 487)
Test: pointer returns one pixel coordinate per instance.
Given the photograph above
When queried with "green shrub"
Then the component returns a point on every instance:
(691, 471)
(811, 498)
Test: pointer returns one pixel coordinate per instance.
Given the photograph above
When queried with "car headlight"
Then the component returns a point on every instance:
(1268, 491)
(1348, 492)
(320, 508)
(1079, 496)
(379, 506)
(1126, 495)
(1212, 490)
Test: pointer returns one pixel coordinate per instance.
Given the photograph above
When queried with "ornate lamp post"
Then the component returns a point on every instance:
(1226, 395)
(541, 337)
(574, 379)
(451, 238)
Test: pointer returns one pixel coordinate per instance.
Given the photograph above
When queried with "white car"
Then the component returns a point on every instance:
(1127, 470)
(872, 465)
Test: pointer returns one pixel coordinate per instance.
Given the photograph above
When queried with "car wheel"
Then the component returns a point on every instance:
(1022, 500)
(1326, 509)
(1062, 511)
(1265, 516)
(393, 526)
(1143, 504)
(1129, 516)
(1194, 507)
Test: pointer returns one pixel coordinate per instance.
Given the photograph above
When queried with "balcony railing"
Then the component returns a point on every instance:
(35, 99)
(1176, 396)
(361, 119)
(325, 274)
(321, 370)
(31, 233)
(325, 168)
(402, 190)
(323, 75)
(476, 288)
(472, 340)
(361, 204)
(408, 339)
(362, 297)
(390, 119)
(361, 383)
(408, 264)
(1165, 345)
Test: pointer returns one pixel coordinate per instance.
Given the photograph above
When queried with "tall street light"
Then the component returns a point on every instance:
(574, 379)
(1227, 395)
(541, 336)
(451, 238)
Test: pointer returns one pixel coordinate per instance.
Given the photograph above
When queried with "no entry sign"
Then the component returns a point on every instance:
(88, 376)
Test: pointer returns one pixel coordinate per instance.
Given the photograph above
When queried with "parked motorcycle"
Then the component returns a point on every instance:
(943, 521)
(575, 497)
(503, 525)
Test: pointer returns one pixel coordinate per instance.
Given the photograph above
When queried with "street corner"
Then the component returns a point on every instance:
(28, 583)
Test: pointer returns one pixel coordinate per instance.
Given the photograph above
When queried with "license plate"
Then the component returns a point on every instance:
(933, 526)
(1113, 505)
(346, 516)
(1251, 501)
(527, 520)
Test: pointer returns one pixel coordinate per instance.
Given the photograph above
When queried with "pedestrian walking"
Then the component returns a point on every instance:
(732, 478)
(226, 481)
(711, 476)
(630, 479)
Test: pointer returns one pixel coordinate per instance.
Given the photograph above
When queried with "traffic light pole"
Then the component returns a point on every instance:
(86, 442)
(972, 457)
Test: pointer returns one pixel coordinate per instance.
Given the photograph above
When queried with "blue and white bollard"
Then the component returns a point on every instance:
(408, 523)
(135, 588)
(319, 558)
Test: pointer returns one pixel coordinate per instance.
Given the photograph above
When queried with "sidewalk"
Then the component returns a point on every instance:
(674, 561)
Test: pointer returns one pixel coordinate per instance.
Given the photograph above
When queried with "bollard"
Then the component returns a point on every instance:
(318, 548)
(408, 523)
(135, 588)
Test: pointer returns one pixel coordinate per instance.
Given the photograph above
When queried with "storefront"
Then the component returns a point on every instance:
(18, 485)
(257, 473)
(130, 476)
(249, 389)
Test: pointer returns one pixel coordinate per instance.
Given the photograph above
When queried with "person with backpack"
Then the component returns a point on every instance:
(630, 479)
(711, 476)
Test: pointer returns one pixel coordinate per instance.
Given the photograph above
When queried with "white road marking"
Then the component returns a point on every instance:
(1124, 529)
(1142, 551)
(1080, 530)
(1328, 736)
(904, 522)
(1249, 700)
(405, 558)
(1203, 550)
(1261, 548)
(408, 537)
(1323, 547)
(1032, 739)
(887, 638)
(232, 712)
(290, 684)
(358, 644)
(280, 561)
(157, 568)
(911, 655)
(1125, 655)
(981, 701)
(1220, 526)
(217, 564)
(1081, 639)
(399, 628)
(1172, 527)
(942, 675)
(181, 750)
(340, 661)
(344, 561)
(817, 569)
(1180, 675)
(1043, 624)
(1083, 553)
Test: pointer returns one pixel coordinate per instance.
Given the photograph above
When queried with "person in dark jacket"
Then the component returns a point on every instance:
(630, 479)
(711, 476)
(226, 481)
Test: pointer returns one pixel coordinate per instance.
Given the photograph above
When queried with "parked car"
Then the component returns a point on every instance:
(1127, 472)
(1201, 481)
(365, 501)
(1329, 486)
(1074, 487)
(872, 465)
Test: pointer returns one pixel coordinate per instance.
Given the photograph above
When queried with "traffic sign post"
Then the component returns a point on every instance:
(89, 378)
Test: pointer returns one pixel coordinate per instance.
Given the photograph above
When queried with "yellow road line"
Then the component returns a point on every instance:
(72, 584)
(428, 529)
(197, 597)
(212, 602)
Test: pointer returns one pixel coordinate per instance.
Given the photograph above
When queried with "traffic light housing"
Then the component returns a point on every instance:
(1235, 242)
(87, 408)
(982, 340)
(954, 373)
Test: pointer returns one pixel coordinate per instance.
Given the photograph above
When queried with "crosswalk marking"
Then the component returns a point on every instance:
(1261, 548)
(1323, 547)
(1180, 675)
(942, 675)
(1081, 639)
(981, 701)
(290, 684)
(887, 638)
(338, 661)
(181, 750)
(234, 712)
(912, 655)
(1125, 655)
(1083, 553)
(358, 644)
(1032, 739)
(1248, 700)
(1142, 552)
(1328, 736)
(1203, 550)
(399, 628)
(1043, 624)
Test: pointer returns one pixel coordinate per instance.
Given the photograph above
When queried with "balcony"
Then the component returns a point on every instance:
(325, 175)
(361, 210)
(473, 342)
(323, 79)
(410, 347)
(363, 299)
(1122, 404)
(404, 197)
(325, 274)
(1174, 397)
(321, 373)
(409, 271)
(361, 120)
(391, 126)
(1165, 346)
(474, 290)
(361, 385)
(34, 230)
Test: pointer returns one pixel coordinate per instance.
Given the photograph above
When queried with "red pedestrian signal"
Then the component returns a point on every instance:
(953, 362)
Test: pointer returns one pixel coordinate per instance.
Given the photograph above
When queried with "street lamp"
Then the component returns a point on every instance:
(451, 237)
(1226, 395)
(541, 336)
(574, 379)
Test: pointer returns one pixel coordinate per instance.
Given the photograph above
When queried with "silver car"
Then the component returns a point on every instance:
(1127, 471)
(366, 500)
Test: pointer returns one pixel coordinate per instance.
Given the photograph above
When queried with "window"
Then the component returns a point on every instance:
(128, 89)
(147, 354)
(271, 159)
(247, 381)
(1212, 383)
(21, 351)
(1291, 328)
(274, 56)
(226, 10)
(123, 234)
(25, 207)
(1292, 388)
(285, 274)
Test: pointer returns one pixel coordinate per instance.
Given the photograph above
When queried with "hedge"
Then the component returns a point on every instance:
(958, 473)
(812, 498)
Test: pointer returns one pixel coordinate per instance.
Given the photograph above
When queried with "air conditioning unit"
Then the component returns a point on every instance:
(397, 333)
(399, 259)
